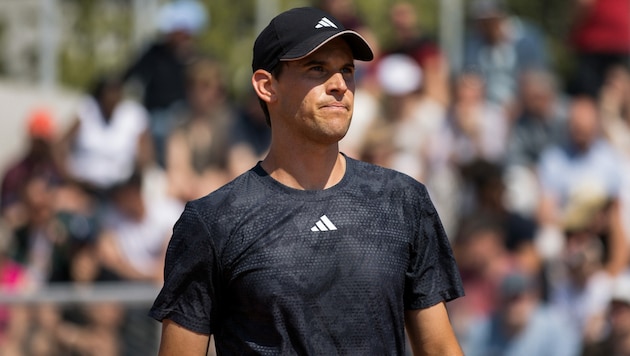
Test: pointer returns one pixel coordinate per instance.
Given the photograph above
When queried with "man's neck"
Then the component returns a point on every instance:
(303, 169)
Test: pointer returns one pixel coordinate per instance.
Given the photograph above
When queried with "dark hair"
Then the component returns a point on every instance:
(275, 72)
(105, 81)
(133, 181)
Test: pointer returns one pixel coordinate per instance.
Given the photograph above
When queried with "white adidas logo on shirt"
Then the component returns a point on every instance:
(324, 22)
(324, 224)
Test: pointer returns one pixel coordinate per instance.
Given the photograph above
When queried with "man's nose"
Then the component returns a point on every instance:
(337, 84)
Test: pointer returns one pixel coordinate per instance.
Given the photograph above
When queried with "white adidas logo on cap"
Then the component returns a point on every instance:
(324, 22)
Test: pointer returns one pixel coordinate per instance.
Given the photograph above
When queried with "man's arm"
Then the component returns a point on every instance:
(430, 332)
(178, 341)
(617, 242)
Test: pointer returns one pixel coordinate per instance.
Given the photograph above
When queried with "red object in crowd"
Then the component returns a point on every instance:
(604, 28)
(41, 124)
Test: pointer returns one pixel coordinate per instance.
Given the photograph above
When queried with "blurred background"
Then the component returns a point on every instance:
(515, 114)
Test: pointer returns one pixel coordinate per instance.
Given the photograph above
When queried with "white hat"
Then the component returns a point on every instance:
(399, 74)
(182, 15)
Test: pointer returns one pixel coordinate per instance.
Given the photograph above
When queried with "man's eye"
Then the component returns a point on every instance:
(317, 68)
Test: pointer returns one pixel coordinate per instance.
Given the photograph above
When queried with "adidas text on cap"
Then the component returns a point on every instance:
(296, 33)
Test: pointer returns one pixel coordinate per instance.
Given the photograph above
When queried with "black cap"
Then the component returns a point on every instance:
(296, 33)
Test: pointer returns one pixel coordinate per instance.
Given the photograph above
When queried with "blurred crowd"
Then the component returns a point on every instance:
(530, 174)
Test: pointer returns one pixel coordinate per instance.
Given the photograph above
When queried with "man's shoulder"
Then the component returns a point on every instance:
(374, 182)
(243, 187)
(387, 177)
(246, 193)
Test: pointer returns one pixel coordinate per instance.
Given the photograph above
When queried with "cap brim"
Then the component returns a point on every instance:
(361, 50)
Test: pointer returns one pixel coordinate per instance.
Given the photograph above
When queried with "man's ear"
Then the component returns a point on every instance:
(261, 81)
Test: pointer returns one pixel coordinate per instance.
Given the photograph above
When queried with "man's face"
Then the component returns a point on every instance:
(204, 94)
(315, 95)
(620, 318)
(492, 29)
(583, 123)
(517, 309)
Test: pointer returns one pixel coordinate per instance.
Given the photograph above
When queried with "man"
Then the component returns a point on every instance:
(501, 45)
(522, 324)
(37, 161)
(309, 252)
(541, 120)
(616, 340)
(158, 74)
(582, 170)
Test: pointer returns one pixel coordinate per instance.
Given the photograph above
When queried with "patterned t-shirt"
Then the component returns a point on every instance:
(272, 270)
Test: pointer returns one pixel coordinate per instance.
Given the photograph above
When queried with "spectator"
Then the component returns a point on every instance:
(483, 261)
(600, 40)
(617, 341)
(522, 325)
(579, 286)
(13, 280)
(540, 120)
(108, 139)
(475, 128)
(586, 165)
(79, 214)
(136, 231)
(485, 196)
(409, 39)
(501, 46)
(43, 247)
(38, 160)
(37, 242)
(87, 329)
(408, 36)
(198, 148)
(409, 115)
(160, 71)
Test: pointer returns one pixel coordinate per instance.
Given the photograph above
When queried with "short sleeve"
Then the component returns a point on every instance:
(189, 294)
(432, 275)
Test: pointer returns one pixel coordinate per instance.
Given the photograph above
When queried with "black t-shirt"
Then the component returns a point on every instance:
(272, 270)
(162, 74)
